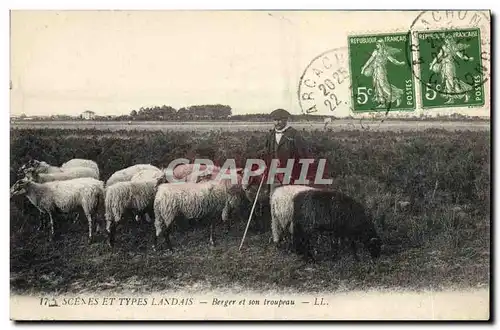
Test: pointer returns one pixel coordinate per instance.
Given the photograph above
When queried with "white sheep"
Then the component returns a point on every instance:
(194, 201)
(79, 162)
(126, 174)
(38, 166)
(183, 171)
(137, 196)
(282, 208)
(43, 172)
(64, 196)
(44, 167)
(68, 174)
(148, 174)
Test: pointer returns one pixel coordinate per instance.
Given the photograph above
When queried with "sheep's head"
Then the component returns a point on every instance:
(250, 180)
(35, 163)
(20, 187)
(32, 163)
(31, 173)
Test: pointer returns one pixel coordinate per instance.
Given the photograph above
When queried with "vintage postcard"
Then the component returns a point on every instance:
(250, 165)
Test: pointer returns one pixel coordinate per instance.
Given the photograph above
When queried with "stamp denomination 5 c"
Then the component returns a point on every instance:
(381, 80)
(451, 70)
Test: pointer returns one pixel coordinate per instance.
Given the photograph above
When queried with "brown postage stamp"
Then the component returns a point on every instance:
(218, 165)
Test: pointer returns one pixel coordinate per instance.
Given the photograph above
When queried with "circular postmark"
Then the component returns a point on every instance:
(324, 85)
(449, 54)
(326, 88)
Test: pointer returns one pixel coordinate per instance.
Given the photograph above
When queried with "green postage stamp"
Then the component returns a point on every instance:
(381, 78)
(451, 70)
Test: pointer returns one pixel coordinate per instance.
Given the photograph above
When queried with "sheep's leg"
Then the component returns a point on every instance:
(166, 235)
(276, 232)
(225, 219)
(76, 217)
(111, 229)
(308, 255)
(292, 230)
(298, 240)
(90, 223)
(51, 226)
(99, 221)
(212, 228)
(155, 239)
(260, 221)
(303, 244)
(98, 228)
(42, 223)
(158, 231)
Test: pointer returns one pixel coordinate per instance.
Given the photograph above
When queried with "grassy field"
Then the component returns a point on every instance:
(441, 240)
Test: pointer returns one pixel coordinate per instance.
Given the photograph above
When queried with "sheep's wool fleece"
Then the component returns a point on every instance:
(147, 175)
(67, 195)
(78, 162)
(68, 174)
(44, 167)
(282, 204)
(193, 200)
(126, 174)
(184, 170)
(136, 195)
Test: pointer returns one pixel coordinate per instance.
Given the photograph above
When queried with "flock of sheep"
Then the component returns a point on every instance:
(297, 211)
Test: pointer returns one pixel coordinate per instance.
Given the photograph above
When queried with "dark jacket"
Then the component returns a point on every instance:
(291, 146)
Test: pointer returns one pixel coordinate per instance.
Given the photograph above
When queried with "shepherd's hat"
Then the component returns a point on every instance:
(280, 114)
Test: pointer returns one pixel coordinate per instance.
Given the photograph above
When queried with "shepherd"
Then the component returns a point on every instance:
(284, 143)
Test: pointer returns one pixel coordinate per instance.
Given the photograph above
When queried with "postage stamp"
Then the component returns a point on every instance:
(380, 78)
(451, 73)
(450, 53)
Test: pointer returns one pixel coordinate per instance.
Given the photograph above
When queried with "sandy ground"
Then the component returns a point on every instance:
(337, 125)
(470, 304)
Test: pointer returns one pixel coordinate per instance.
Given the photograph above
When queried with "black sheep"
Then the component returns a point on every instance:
(324, 211)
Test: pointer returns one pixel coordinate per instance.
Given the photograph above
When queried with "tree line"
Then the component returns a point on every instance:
(195, 112)
(219, 112)
(209, 112)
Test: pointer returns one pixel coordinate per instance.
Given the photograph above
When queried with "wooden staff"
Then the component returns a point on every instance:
(251, 212)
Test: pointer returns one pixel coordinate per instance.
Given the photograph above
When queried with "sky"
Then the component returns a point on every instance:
(111, 62)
